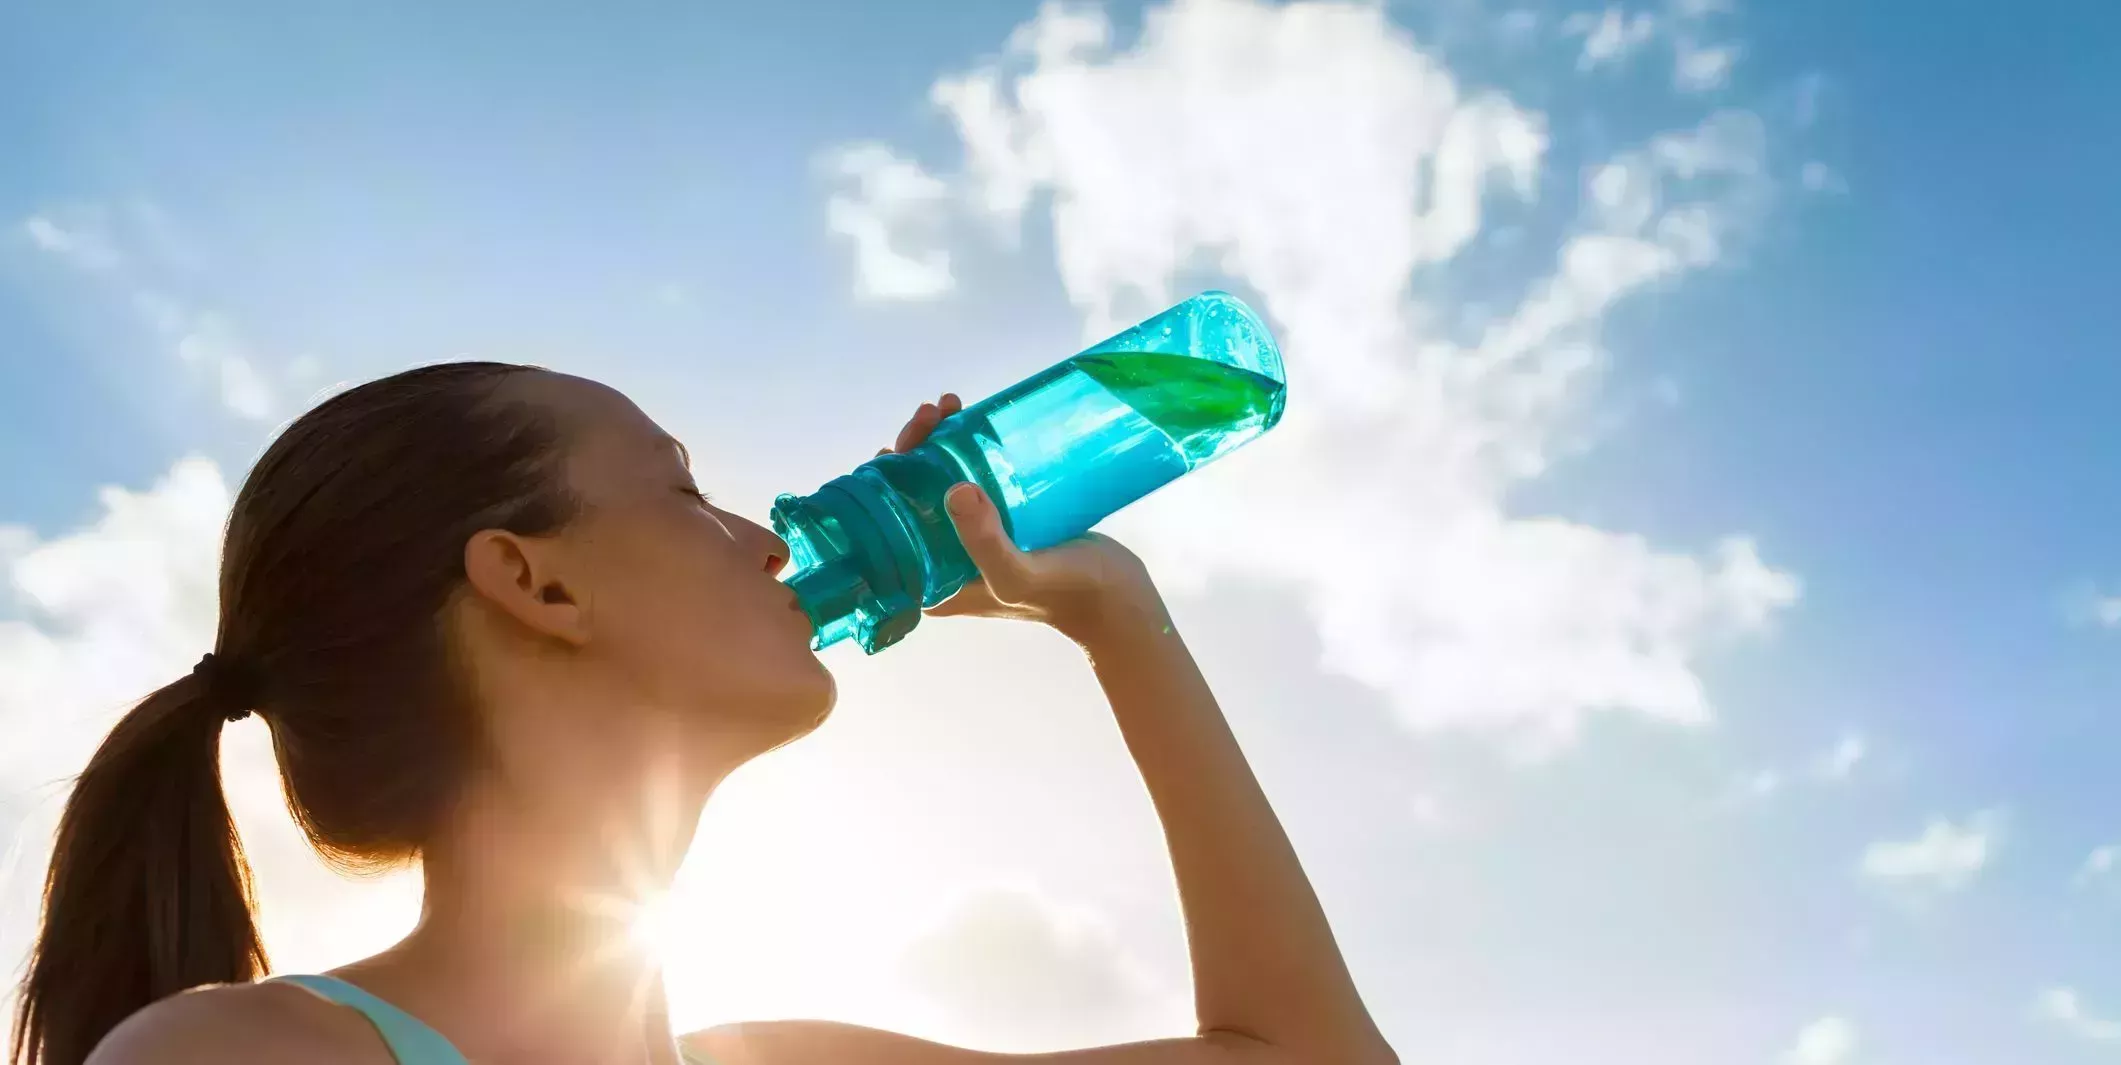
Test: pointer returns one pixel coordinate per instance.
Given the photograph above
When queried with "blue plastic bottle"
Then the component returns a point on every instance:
(1057, 452)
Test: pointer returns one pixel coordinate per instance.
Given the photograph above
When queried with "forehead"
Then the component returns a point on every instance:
(608, 436)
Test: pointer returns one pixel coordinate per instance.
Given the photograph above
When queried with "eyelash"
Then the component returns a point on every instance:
(704, 498)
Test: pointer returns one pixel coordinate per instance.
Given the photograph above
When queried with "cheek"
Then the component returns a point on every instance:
(676, 592)
(654, 587)
(696, 623)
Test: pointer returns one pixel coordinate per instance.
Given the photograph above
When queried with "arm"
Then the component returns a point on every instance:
(821, 1042)
(1265, 964)
(1269, 983)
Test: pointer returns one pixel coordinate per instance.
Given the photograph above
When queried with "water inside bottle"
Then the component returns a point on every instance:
(1205, 408)
(1101, 430)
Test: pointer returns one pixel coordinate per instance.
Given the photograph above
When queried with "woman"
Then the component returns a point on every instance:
(475, 603)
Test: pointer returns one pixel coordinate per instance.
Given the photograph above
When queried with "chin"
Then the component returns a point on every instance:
(823, 695)
(799, 708)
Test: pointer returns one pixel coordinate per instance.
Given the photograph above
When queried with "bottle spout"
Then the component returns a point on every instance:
(852, 564)
(829, 593)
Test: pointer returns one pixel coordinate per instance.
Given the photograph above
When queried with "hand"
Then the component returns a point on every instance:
(1080, 587)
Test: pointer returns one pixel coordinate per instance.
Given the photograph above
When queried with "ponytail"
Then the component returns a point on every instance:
(148, 893)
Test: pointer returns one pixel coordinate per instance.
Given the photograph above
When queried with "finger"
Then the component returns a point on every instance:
(1007, 568)
(950, 404)
(909, 434)
(974, 599)
(917, 429)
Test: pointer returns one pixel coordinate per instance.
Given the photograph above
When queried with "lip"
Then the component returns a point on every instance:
(795, 607)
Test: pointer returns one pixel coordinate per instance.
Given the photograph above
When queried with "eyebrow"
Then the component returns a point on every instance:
(684, 456)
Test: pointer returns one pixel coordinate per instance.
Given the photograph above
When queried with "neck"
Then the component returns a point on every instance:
(526, 934)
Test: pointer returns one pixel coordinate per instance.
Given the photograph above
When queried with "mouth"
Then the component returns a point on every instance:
(802, 617)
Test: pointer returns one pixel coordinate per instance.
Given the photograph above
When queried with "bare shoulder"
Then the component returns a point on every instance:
(240, 1023)
(815, 1042)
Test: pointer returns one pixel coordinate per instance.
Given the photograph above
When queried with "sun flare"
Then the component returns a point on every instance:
(653, 927)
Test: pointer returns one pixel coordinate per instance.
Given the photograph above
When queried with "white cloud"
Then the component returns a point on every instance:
(128, 599)
(1816, 176)
(892, 203)
(1697, 10)
(1701, 67)
(1609, 37)
(1335, 172)
(209, 342)
(2106, 610)
(83, 243)
(1016, 970)
(1832, 765)
(107, 614)
(1731, 143)
(2062, 1007)
(1517, 27)
(1945, 857)
(1760, 784)
(2100, 866)
(2087, 603)
(1840, 760)
(1613, 36)
(204, 340)
(1826, 1041)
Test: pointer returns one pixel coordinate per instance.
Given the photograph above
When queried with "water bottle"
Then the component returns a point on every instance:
(1057, 452)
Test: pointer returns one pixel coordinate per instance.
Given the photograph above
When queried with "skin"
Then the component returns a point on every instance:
(662, 612)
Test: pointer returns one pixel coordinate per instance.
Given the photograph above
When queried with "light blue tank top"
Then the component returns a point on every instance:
(410, 1040)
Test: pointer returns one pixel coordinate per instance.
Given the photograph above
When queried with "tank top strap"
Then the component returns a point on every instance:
(410, 1040)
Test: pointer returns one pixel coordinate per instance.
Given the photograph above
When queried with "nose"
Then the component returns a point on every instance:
(772, 550)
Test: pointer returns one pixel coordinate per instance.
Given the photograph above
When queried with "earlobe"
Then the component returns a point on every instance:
(513, 575)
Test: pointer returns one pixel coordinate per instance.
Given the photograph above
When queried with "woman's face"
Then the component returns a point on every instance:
(680, 598)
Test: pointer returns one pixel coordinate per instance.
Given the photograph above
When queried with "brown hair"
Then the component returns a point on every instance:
(343, 546)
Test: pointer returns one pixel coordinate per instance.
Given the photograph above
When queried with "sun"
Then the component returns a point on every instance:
(654, 926)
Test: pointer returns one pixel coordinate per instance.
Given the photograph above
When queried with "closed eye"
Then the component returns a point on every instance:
(694, 492)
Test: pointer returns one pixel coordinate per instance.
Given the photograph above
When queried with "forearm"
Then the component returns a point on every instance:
(1265, 964)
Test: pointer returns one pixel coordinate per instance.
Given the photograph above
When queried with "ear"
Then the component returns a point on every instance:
(519, 577)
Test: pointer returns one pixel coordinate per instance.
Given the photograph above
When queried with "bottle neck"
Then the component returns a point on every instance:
(857, 572)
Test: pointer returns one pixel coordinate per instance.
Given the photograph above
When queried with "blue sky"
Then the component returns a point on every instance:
(1690, 500)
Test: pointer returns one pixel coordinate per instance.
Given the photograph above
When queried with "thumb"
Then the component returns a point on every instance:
(1006, 567)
